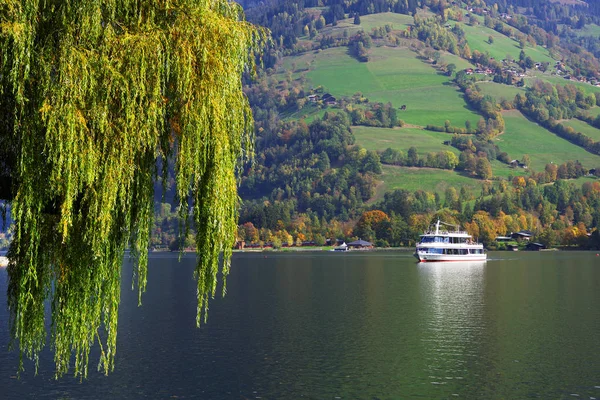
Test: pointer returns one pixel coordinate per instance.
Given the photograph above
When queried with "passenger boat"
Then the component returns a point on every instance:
(444, 245)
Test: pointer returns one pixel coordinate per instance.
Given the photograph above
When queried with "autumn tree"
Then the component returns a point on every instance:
(483, 168)
(372, 224)
(93, 94)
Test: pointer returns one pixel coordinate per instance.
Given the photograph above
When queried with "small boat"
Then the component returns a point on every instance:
(341, 247)
(445, 245)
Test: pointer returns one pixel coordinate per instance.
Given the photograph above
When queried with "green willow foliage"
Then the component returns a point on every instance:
(92, 94)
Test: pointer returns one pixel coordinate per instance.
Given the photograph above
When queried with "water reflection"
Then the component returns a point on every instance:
(453, 318)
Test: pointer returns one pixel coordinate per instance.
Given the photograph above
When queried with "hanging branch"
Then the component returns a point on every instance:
(92, 93)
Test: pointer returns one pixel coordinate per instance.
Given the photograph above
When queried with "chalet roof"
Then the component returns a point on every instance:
(360, 243)
(535, 246)
(524, 233)
(503, 238)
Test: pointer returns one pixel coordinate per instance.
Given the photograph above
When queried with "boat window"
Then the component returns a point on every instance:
(436, 251)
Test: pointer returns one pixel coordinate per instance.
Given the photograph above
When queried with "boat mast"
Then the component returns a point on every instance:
(437, 227)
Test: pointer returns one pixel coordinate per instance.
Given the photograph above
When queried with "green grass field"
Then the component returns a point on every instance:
(428, 179)
(594, 111)
(584, 128)
(367, 23)
(460, 63)
(477, 37)
(499, 91)
(588, 30)
(559, 80)
(424, 141)
(505, 171)
(402, 139)
(309, 112)
(525, 137)
(393, 75)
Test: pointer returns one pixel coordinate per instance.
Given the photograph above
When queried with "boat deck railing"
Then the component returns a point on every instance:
(440, 232)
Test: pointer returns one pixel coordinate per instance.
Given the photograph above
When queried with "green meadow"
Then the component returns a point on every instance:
(525, 137)
(477, 37)
(584, 128)
(594, 111)
(588, 30)
(367, 23)
(559, 80)
(424, 141)
(428, 179)
(506, 171)
(393, 75)
(396, 75)
(499, 91)
(308, 113)
(402, 139)
(460, 63)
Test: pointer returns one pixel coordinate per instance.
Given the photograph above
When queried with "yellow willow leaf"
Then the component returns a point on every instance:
(93, 93)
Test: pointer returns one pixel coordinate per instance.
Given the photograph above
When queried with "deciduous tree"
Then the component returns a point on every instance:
(92, 94)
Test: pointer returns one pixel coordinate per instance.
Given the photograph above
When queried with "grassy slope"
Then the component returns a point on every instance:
(368, 22)
(588, 30)
(393, 75)
(477, 37)
(402, 139)
(525, 137)
(558, 80)
(432, 180)
(594, 111)
(500, 91)
(584, 128)
(396, 75)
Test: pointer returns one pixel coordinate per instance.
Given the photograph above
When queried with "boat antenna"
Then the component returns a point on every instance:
(445, 223)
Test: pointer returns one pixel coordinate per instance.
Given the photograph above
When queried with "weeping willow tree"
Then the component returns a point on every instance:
(92, 94)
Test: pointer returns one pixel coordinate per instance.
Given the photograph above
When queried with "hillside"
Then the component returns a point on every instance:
(463, 107)
(398, 74)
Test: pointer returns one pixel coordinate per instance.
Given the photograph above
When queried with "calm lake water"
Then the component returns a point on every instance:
(372, 325)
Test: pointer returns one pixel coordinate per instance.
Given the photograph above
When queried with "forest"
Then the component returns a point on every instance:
(311, 183)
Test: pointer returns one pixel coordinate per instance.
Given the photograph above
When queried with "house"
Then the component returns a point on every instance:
(534, 246)
(330, 101)
(503, 239)
(360, 244)
(517, 163)
(327, 98)
(313, 98)
(522, 235)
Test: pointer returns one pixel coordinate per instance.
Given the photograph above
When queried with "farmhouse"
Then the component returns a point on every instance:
(360, 244)
(535, 247)
(522, 235)
(517, 163)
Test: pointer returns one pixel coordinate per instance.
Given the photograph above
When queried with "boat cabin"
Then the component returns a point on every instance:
(461, 252)
(446, 239)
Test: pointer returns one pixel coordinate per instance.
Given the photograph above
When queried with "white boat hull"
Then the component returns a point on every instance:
(425, 257)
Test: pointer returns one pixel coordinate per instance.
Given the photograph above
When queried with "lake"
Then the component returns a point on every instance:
(362, 325)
